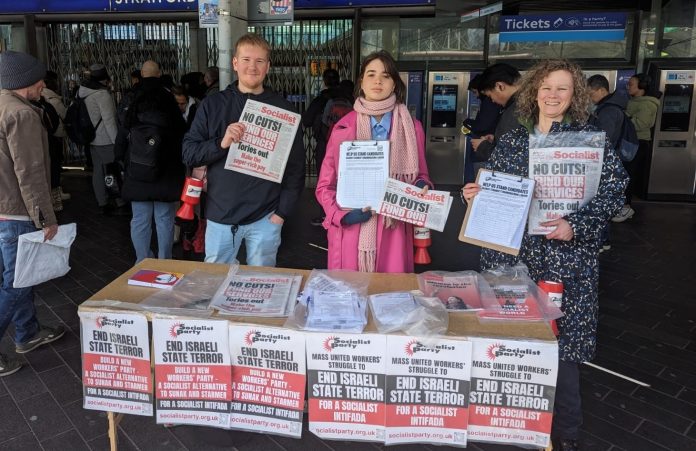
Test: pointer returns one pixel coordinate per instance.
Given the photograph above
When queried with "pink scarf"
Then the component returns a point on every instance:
(403, 163)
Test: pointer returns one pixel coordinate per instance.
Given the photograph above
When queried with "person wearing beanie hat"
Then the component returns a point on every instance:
(25, 197)
(102, 111)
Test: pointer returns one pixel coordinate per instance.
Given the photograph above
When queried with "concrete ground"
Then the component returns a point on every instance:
(647, 331)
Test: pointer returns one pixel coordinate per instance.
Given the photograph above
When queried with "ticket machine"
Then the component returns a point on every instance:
(413, 80)
(673, 162)
(447, 107)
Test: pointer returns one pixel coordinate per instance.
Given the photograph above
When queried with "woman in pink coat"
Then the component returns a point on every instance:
(360, 239)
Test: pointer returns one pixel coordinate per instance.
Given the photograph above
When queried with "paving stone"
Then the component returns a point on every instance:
(69, 340)
(146, 434)
(24, 442)
(63, 384)
(665, 437)
(617, 364)
(670, 404)
(24, 384)
(89, 423)
(617, 436)
(44, 415)
(73, 358)
(70, 440)
(612, 414)
(648, 411)
(67, 314)
(43, 358)
(102, 443)
(12, 424)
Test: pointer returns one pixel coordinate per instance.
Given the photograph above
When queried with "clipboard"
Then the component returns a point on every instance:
(487, 244)
(360, 183)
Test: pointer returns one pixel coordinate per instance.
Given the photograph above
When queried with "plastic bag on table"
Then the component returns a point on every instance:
(516, 297)
(191, 296)
(458, 291)
(332, 300)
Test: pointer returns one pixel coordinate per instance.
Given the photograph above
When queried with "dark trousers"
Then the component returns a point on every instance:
(638, 169)
(567, 409)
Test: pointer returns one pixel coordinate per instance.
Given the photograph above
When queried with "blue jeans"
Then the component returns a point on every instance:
(141, 228)
(262, 239)
(16, 304)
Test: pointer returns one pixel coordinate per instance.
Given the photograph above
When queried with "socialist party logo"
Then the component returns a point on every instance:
(105, 321)
(182, 329)
(332, 342)
(500, 350)
(255, 336)
(415, 346)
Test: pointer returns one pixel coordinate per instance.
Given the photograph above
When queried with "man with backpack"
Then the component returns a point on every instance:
(610, 116)
(94, 97)
(323, 112)
(149, 144)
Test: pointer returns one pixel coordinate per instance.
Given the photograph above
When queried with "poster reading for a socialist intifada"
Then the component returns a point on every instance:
(116, 374)
(268, 379)
(345, 383)
(427, 390)
(263, 151)
(193, 374)
(513, 385)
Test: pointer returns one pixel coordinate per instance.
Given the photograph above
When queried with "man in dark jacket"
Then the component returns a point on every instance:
(241, 207)
(313, 118)
(152, 111)
(609, 116)
(499, 82)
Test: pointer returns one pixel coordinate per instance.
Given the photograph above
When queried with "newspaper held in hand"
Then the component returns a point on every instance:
(155, 279)
(263, 151)
(363, 169)
(406, 203)
(255, 294)
(566, 168)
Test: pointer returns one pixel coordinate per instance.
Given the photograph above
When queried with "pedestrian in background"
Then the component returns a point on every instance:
(25, 196)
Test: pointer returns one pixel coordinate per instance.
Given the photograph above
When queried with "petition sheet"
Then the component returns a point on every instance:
(363, 168)
(498, 213)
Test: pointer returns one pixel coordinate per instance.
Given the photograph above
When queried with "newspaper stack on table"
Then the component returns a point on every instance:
(257, 294)
(333, 304)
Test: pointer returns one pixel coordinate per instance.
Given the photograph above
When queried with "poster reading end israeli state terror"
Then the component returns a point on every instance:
(513, 385)
(427, 390)
(193, 375)
(345, 380)
(268, 379)
(116, 375)
(269, 132)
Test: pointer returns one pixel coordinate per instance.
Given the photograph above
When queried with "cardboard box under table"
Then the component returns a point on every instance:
(461, 325)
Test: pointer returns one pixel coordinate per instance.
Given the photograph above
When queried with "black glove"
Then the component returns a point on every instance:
(420, 183)
(356, 216)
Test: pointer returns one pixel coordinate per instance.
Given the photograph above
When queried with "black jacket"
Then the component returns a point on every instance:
(312, 117)
(235, 198)
(507, 121)
(486, 119)
(609, 116)
(149, 103)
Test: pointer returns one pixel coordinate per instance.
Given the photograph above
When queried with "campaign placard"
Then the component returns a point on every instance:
(268, 379)
(116, 375)
(193, 373)
(263, 151)
(345, 379)
(513, 385)
(427, 390)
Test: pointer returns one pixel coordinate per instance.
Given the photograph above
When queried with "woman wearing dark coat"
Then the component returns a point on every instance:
(553, 99)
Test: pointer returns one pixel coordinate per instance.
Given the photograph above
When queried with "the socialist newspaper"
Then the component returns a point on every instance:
(566, 178)
(427, 390)
(268, 379)
(256, 294)
(406, 203)
(263, 151)
(513, 385)
(116, 374)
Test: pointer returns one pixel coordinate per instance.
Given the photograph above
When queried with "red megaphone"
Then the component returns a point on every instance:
(190, 196)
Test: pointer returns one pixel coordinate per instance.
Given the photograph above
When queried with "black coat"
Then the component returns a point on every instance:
(149, 103)
(235, 198)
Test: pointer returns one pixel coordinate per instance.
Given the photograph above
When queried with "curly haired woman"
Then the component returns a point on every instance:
(553, 98)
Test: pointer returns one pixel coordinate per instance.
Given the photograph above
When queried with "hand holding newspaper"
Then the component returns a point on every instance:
(406, 203)
(263, 151)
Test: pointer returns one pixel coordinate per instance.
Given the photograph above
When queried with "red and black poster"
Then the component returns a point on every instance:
(346, 386)
(193, 375)
(268, 379)
(427, 390)
(513, 385)
(116, 374)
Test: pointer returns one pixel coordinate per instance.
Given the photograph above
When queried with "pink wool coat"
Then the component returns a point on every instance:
(394, 246)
